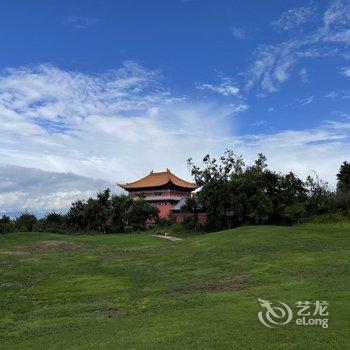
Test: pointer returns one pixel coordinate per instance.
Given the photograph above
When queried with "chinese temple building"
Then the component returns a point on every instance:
(164, 190)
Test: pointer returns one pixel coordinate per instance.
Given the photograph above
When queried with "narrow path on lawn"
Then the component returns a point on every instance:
(170, 238)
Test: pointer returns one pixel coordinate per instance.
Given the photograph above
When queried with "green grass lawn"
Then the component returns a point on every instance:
(142, 292)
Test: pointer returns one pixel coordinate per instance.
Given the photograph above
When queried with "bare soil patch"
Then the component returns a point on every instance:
(233, 284)
(44, 246)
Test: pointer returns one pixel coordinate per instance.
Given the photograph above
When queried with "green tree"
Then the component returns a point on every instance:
(119, 208)
(25, 222)
(234, 194)
(53, 222)
(140, 212)
(5, 224)
(76, 216)
(320, 198)
(214, 179)
(343, 177)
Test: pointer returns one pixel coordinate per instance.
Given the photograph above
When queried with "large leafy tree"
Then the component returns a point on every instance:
(234, 194)
(343, 177)
(214, 179)
(140, 212)
(5, 224)
(119, 208)
(25, 222)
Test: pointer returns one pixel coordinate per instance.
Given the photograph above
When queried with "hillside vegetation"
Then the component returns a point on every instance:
(143, 292)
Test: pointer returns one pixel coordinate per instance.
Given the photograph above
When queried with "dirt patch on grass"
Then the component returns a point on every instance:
(114, 312)
(179, 293)
(233, 284)
(44, 246)
(111, 312)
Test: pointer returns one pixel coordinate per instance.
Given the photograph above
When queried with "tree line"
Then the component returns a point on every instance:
(231, 193)
(106, 213)
(234, 194)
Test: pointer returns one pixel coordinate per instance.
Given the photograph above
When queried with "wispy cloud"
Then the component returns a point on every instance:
(337, 14)
(259, 123)
(304, 77)
(302, 150)
(80, 22)
(332, 94)
(238, 33)
(107, 126)
(226, 87)
(241, 107)
(343, 94)
(273, 64)
(305, 101)
(295, 17)
(119, 125)
(346, 71)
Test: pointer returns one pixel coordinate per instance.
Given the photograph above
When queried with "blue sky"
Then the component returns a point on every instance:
(112, 89)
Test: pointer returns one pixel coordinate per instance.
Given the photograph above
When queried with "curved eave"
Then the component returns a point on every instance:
(154, 180)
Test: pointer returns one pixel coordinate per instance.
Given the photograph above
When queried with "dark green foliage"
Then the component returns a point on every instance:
(105, 213)
(128, 229)
(5, 224)
(343, 177)
(231, 193)
(234, 194)
(139, 212)
(119, 208)
(320, 198)
(109, 214)
(25, 222)
(52, 222)
(342, 197)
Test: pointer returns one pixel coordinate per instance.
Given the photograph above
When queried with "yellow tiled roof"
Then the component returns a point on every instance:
(159, 179)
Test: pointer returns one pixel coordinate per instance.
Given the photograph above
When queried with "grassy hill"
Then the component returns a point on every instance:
(143, 292)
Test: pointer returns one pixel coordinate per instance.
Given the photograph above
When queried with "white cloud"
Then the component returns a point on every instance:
(304, 76)
(301, 151)
(226, 88)
(338, 13)
(36, 190)
(241, 107)
(114, 126)
(295, 17)
(238, 33)
(346, 71)
(273, 64)
(332, 94)
(120, 125)
(305, 101)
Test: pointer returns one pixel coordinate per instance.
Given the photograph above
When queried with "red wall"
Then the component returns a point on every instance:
(181, 217)
(164, 209)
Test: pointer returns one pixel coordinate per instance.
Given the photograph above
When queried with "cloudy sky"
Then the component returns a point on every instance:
(98, 92)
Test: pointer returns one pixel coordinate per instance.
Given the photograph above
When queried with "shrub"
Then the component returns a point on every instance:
(128, 229)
